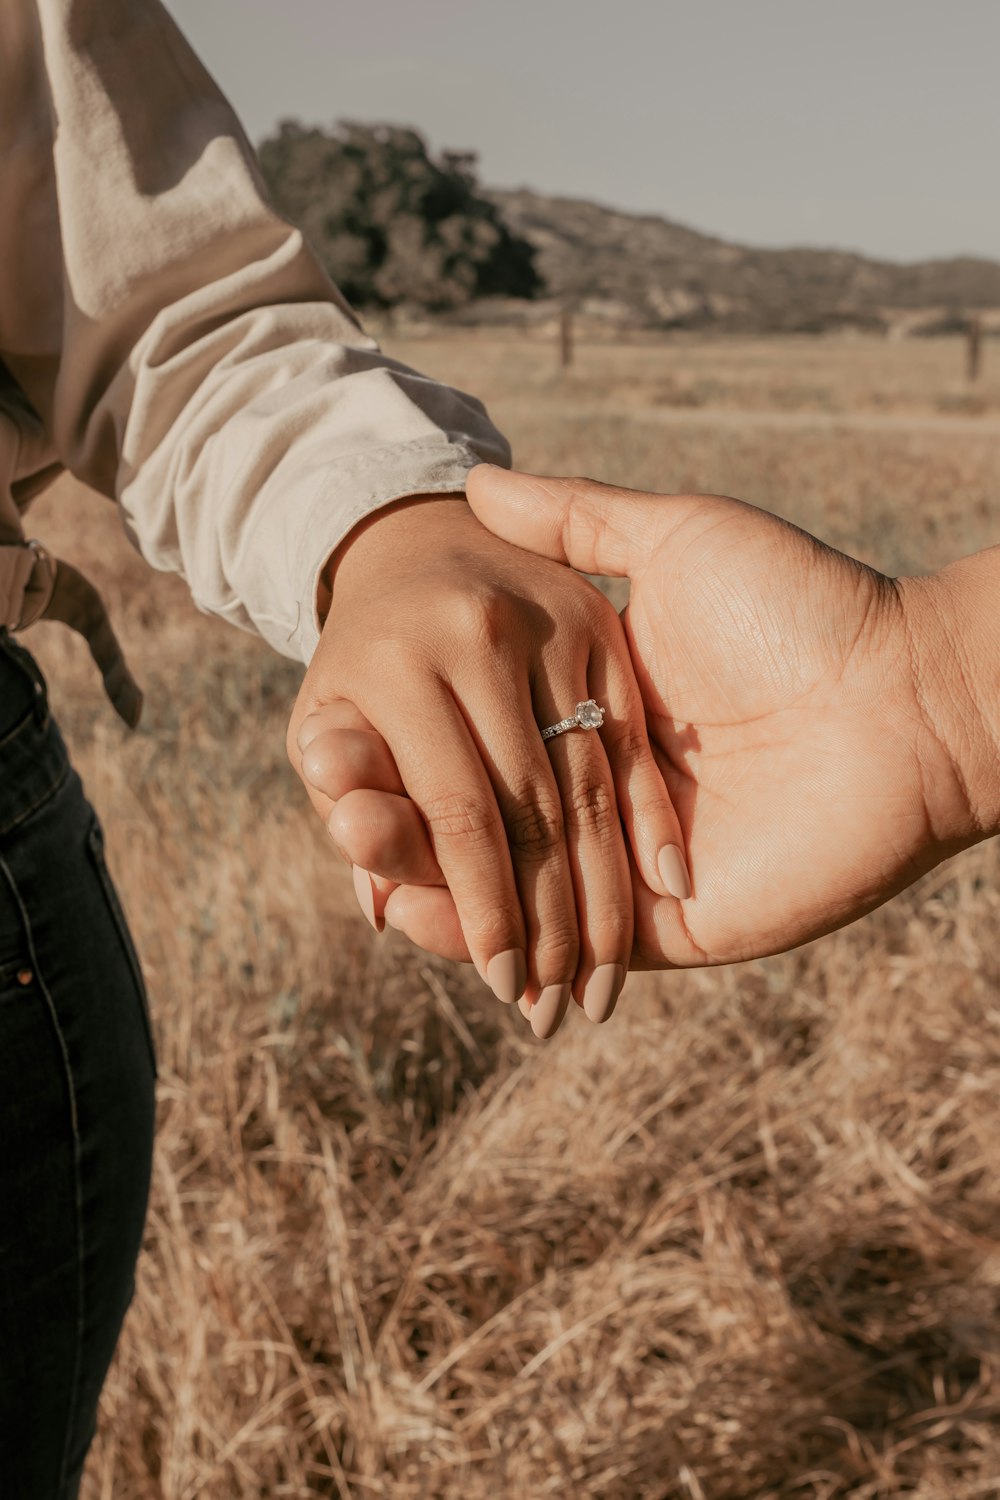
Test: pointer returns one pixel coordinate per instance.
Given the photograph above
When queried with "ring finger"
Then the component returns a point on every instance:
(595, 846)
(534, 816)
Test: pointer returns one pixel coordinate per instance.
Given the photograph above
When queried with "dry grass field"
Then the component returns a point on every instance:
(742, 1243)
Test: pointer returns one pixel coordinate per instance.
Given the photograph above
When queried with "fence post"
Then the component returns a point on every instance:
(973, 347)
(565, 335)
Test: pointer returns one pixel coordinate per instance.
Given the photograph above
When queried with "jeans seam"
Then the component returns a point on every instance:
(40, 800)
(15, 729)
(77, 1183)
(95, 841)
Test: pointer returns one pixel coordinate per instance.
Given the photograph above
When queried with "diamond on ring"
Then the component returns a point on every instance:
(588, 715)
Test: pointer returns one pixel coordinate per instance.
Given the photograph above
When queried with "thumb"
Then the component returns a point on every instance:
(594, 527)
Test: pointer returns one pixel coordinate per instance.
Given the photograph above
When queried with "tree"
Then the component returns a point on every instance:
(390, 224)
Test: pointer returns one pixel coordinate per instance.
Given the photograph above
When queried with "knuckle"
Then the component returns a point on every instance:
(592, 808)
(494, 928)
(653, 811)
(453, 816)
(616, 923)
(626, 742)
(557, 954)
(483, 619)
(535, 828)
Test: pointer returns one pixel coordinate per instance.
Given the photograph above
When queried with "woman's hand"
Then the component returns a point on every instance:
(787, 690)
(457, 647)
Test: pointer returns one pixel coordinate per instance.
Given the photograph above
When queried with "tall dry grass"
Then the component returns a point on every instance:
(742, 1242)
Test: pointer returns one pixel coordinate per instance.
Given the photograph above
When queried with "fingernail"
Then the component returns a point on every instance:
(674, 872)
(311, 726)
(333, 838)
(524, 1006)
(601, 993)
(507, 974)
(365, 892)
(312, 767)
(549, 1009)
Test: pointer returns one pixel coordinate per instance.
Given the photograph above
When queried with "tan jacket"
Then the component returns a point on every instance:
(172, 341)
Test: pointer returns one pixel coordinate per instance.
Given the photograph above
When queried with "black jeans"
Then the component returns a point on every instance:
(77, 1074)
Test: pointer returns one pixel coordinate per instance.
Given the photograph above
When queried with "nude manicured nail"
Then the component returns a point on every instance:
(549, 1009)
(674, 872)
(365, 893)
(524, 1006)
(507, 974)
(602, 991)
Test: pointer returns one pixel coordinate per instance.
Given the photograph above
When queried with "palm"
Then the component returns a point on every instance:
(767, 664)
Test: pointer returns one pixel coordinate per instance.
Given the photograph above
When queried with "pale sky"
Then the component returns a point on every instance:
(869, 125)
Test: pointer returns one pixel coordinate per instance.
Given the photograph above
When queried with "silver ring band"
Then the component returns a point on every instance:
(588, 715)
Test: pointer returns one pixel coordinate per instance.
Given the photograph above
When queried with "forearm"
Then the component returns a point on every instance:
(183, 349)
(953, 625)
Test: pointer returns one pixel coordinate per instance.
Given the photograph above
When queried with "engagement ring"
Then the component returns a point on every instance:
(588, 715)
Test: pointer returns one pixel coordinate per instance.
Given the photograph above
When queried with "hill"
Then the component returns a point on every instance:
(397, 227)
(647, 270)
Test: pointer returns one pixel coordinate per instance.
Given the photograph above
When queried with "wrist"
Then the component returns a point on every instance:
(951, 621)
(392, 525)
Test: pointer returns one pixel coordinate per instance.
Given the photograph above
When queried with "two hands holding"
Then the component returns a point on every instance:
(801, 733)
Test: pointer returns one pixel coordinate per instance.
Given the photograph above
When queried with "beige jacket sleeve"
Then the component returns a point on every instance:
(179, 343)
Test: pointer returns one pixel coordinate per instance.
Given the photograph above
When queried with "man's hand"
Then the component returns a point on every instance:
(785, 703)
